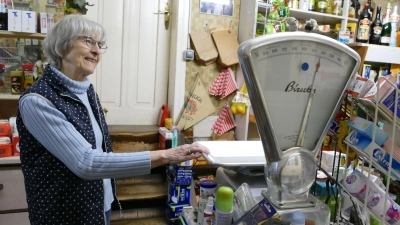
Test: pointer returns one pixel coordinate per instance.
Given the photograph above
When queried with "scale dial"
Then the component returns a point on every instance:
(280, 74)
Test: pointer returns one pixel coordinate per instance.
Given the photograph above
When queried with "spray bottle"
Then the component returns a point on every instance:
(208, 211)
(223, 206)
(394, 19)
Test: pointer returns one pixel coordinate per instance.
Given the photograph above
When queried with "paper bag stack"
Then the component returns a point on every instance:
(204, 47)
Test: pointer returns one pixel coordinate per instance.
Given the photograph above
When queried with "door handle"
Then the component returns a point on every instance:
(166, 15)
(1, 187)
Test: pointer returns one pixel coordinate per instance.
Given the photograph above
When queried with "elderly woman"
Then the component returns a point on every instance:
(66, 154)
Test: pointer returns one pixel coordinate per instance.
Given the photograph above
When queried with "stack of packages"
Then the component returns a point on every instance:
(179, 178)
(8, 138)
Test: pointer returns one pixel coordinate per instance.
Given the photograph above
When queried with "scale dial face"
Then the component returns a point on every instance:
(280, 73)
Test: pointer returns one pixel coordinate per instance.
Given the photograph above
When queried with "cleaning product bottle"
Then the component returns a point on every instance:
(298, 218)
(223, 206)
(394, 19)
(208, 211)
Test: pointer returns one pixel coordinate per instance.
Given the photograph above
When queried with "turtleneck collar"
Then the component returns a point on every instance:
(76, 87)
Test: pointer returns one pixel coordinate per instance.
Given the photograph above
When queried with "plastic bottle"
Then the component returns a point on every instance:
(223, 206)
(394, 19)
(202, 206)
(298, 218)
(208, 211)
(303, 5)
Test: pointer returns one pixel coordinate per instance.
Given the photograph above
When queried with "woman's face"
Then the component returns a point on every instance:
(80, 61)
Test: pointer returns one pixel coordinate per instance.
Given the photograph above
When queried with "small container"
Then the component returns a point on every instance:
(28, 75)
(207, 188)
(17, 82)
(5, 128)
(298, 218)
(5, 147)
(15, 144)
(168, 123)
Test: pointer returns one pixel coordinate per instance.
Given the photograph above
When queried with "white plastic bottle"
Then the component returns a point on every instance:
(208, 211)
(223, 206)
(394, 20)
(298, 218)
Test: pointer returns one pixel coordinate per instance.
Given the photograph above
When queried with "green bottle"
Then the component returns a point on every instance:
(386, 28)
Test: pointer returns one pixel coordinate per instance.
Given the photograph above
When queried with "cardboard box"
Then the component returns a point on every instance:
(178, 194)
(164, 138)
(29, 22)
(366, 128)
(43, 23)
(14, 20)
(360, 87)
(378, 155)
(366, 72)
(383, 86)
(173, 212)
(329, 157)
(50, 20)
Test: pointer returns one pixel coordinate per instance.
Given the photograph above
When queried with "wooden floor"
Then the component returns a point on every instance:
(147, 221)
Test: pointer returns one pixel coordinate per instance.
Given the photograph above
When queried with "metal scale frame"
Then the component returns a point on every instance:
(296, 83)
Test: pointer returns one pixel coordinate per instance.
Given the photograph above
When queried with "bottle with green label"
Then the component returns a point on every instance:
(386, 27)
(322, 6)
(311, 5)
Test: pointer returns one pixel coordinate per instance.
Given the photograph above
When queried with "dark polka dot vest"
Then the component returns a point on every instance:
(54, 194)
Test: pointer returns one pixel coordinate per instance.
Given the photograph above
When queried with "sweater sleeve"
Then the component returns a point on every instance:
(52, 129)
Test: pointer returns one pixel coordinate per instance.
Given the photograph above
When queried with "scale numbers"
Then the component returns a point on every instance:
(321, 50)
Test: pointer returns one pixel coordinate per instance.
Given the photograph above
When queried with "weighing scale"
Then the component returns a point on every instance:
(296, 83)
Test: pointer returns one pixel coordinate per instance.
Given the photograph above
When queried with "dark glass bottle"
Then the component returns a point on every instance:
(364, 23)
(376, 28)
(3, 21)
(386, 28)
(370, 9)
(354, 9)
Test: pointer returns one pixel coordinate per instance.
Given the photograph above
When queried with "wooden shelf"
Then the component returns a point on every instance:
(377, 53)
(319, 17)
(10, 34)
(8, 96)
(12, 160)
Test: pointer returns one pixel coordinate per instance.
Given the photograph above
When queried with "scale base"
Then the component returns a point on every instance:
(319, 212)
(293, 204)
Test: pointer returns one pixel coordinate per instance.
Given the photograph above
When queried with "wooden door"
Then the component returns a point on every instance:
(132, 78)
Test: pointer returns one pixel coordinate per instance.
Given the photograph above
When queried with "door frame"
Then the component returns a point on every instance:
(180, 20)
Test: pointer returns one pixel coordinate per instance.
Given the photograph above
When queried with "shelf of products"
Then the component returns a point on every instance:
(10, 34)
(4, 96)
(376, 53)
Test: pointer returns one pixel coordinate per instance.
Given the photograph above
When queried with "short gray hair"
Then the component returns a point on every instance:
(63, 33)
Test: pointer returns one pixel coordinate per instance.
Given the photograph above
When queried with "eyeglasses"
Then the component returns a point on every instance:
(91, 43)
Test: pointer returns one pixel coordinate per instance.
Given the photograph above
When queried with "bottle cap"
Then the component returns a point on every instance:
(224, 199)
(208, 184)
(210, 204)
(298, 218)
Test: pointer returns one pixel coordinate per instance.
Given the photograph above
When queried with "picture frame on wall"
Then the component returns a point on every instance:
(217, 7)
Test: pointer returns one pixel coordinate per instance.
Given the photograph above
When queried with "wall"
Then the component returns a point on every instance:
(210, 72)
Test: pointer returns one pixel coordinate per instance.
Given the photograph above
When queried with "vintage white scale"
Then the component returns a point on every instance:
(296, 83)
